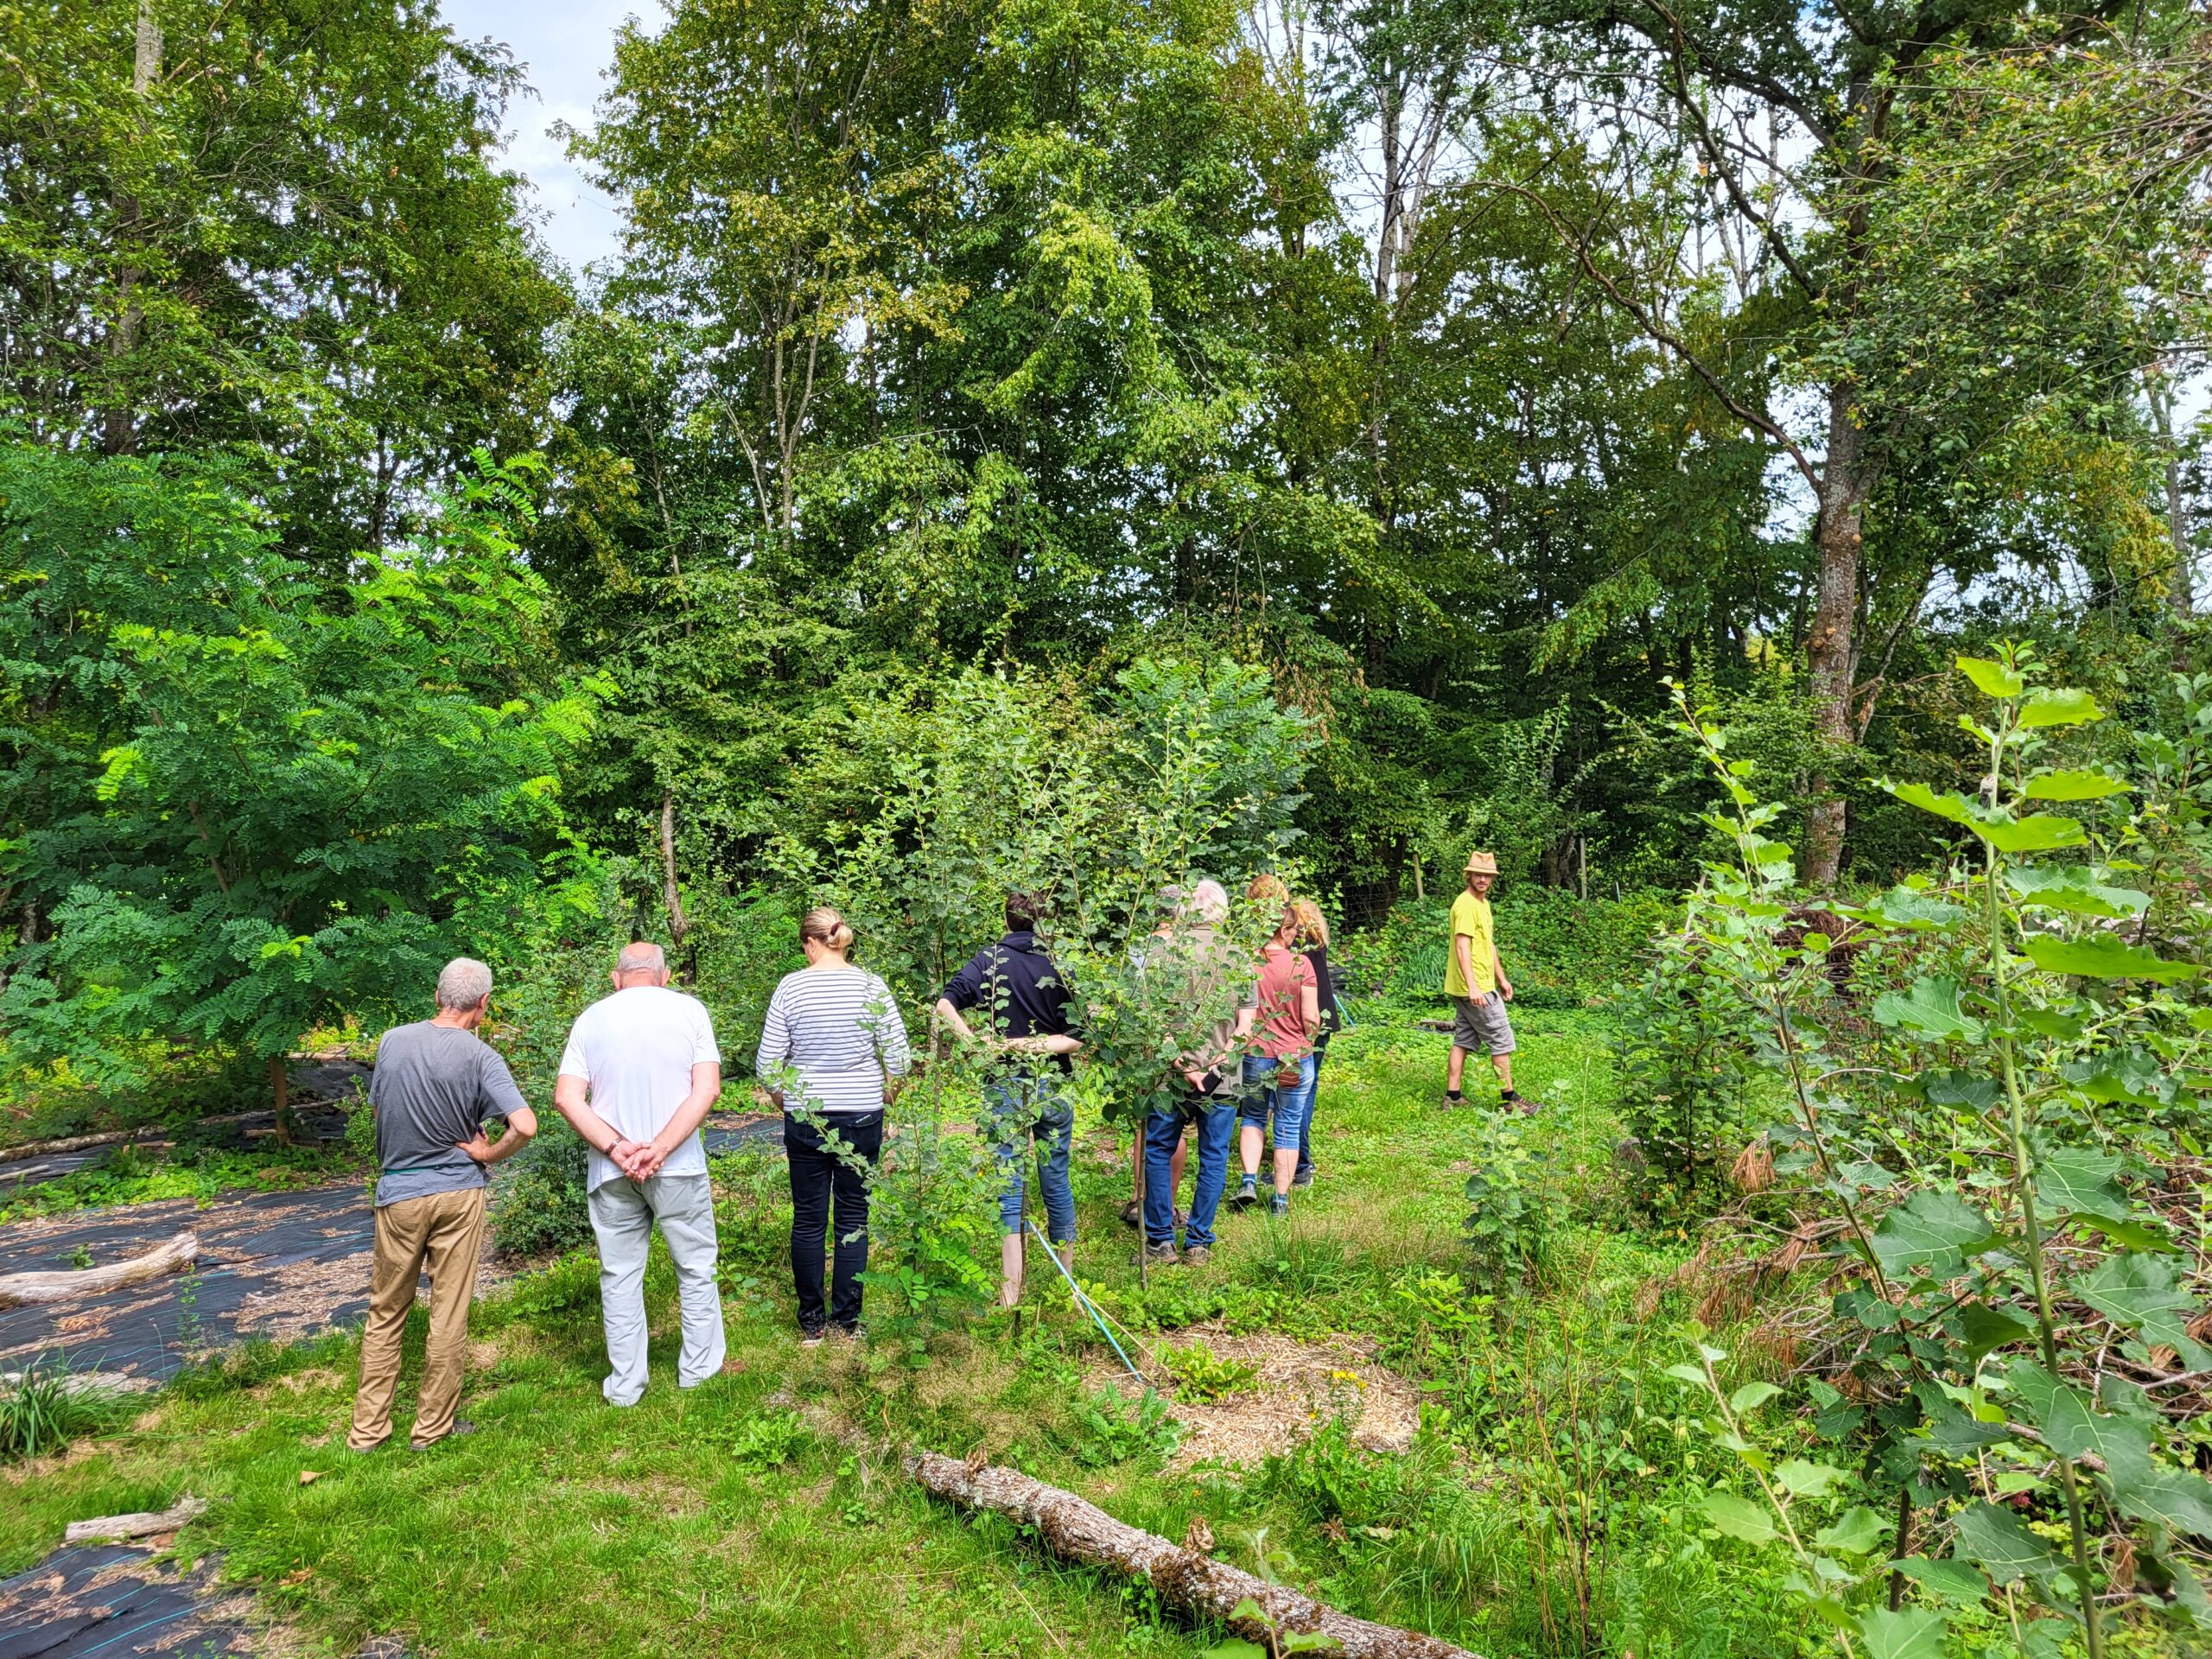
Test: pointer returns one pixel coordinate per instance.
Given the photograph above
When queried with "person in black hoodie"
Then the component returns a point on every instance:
(1025, 1000)
(1314, 938)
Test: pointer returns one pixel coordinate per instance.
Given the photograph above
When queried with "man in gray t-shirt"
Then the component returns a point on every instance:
(436, 1084)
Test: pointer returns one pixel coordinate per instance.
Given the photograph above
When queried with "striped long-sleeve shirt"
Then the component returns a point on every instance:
(841, 1030)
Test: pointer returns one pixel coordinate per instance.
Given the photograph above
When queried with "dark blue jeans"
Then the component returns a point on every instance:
(1024, 1104)
(1215, 1118)
(821, 1179)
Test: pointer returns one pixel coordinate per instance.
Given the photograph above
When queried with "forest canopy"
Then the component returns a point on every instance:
(1464, 372)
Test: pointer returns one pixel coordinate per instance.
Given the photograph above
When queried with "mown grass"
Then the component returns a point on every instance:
(1540, 1512)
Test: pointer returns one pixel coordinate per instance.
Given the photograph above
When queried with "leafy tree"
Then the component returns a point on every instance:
(292, 806)
(276, 226)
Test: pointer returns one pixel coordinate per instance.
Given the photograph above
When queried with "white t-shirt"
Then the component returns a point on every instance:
(636, 1049)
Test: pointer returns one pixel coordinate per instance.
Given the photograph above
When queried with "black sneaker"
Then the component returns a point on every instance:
(1278, 1204)
(1304, 1177)
(1246, 1195)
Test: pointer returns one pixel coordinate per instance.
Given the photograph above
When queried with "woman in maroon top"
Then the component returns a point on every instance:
(1278, 1067)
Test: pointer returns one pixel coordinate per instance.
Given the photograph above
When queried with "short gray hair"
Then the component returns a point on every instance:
(1211, 901)
(641, 956)
(462, 983)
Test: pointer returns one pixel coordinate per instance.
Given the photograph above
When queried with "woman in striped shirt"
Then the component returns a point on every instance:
(833, 1037)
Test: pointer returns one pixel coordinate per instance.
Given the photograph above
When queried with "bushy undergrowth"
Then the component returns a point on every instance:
(1561, 952)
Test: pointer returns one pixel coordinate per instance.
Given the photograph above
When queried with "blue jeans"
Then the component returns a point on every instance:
(1163, 1131)
(1286, 1104)
(1023, 1104)
(1306, 1139)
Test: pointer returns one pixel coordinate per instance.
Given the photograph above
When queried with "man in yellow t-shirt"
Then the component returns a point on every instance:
(1475, 980)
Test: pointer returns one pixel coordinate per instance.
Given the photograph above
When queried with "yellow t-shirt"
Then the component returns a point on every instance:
(1470, 916)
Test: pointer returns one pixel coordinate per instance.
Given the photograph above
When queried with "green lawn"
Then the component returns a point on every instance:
(1539, 1507)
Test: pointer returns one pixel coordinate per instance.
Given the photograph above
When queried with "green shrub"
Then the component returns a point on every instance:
(541, 1204)
(1559, 951)
(768, 1440)
(1203, 1375)
(563, 1287)
(1118, 1430)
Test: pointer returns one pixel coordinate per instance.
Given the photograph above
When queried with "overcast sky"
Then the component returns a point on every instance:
(563, 46)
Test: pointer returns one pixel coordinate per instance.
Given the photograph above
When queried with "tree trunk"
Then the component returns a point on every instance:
(1184, 1577)
(1831, 648)
(280, 1093)
(118, 435)
(2181, 591)
(679, 925)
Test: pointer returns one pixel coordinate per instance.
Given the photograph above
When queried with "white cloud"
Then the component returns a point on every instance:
(564, 47)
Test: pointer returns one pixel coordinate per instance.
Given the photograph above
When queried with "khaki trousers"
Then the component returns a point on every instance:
(444, 1232)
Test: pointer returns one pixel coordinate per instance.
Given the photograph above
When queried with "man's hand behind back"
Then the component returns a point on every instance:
(477, 1147)
(639, 1160)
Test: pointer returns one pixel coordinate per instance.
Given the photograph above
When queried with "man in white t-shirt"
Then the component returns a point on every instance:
(637, 1079)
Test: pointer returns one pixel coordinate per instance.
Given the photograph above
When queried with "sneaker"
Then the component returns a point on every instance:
(1304, 1177)
(1278, 1205)
(1451, 1099)
(1514, 1101)
(1247, 1194)
(461, 1425)
(1160, 1255)
(1196, 1255)
(810, 1336)
(854, 1333)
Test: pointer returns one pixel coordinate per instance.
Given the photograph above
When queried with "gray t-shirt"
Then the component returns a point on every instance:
(434, 1087)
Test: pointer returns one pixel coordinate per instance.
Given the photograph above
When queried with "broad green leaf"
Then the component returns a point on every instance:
(1908, 1633)
(1904, 907)
(1739, 1517)
(1986, 1326)
(1954, 807)
(1234, 1646)
(2073, 786)
(2129, 1074)
(2074, 889)
(1993, 680)
(2145, 1292)
(2102, 957)
(1930, 1008)
(2180, 1498)
(1946, 1087)
(1935, 1227)
(2039, 832)
(1689, 1374)
(2059, 707)
(2127, 1233)
(1952, 1581)
(2075, 1428)
(1858, 1531)
(1804, 1479)
(1307, 1642)
(1751, 1397)
(2005, 1549)
(2072, 1179)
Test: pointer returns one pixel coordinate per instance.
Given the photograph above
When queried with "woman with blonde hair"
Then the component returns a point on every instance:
(1312, 939)
(832, 1040)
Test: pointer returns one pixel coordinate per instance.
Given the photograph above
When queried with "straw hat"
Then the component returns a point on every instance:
(1482, 864)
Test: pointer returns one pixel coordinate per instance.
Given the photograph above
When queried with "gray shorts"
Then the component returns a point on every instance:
(1480, 1022)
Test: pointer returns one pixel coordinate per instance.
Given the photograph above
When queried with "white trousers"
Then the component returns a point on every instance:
(622, 1216)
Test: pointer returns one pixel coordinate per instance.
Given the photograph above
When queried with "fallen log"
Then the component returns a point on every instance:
(1185, 1577)
(141, 1524)
(36, 1289)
